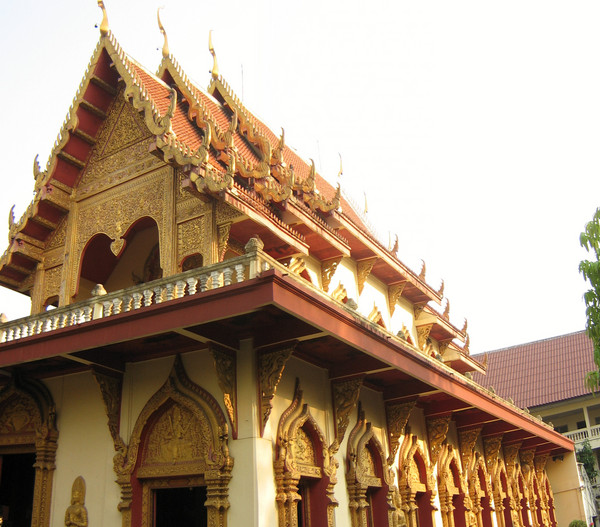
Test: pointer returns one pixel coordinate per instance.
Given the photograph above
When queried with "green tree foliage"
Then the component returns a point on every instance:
(587, 457)
(577, 523)
(590, 240)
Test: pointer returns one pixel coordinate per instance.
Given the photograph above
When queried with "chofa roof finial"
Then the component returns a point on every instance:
(215, 68)
(104, 24)
(165, 49)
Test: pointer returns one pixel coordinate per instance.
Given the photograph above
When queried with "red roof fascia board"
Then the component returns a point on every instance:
(275, 289)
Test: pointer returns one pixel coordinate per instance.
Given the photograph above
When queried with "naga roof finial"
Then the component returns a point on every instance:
(215, 68)
(366, 211)
(341, 169)
(165, 48)
(104, 24)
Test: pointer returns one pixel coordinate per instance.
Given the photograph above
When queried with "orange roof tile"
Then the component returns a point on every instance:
(541, 372)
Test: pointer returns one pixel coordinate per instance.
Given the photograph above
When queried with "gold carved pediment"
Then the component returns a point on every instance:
(179, 443)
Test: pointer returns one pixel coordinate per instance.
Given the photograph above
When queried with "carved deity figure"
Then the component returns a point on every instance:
(76, 514)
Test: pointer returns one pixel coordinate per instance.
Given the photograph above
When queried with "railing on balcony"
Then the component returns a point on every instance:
(103, 305)
(584, 433)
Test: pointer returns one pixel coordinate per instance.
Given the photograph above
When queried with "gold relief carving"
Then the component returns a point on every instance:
(303, 449)
(423, 335)
(222, 239)
(339, 293)
(52, 281)
(345, 395)
(54, 257)
(418, 310)
(328, 268)
(192, 237)
(394, 294)
(191, 208)
(225, 365)
(126, 128)
(58, 237)
(225, 213)
(297, 435)
(467, 440)
(117, 169)
(28, 418)
(414, 477)
(110, 388)
(115, 210)
(187, 437)
(296, 264)
(540, 463)
(450, 484)
(437, 430)
(361, 473)
(178, 436)
(375, 316)
(363, 270)
(76, 514)
(270, 368)
(491, 447)
(397, 415)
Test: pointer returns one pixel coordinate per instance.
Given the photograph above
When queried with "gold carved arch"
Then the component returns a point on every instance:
(28, 418)
(415, 477)
(180, 433)
(450, 484)
(364, 455)
(478, 494)
(301, 450)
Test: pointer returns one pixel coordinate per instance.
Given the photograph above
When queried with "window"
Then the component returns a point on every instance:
(580, 425)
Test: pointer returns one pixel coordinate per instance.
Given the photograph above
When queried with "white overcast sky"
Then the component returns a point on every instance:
(473, 127)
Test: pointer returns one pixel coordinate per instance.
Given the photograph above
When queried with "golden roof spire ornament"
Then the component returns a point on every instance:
(215, 68)
(366, 205)
(341, 170)
(165, 48)
(104, 24)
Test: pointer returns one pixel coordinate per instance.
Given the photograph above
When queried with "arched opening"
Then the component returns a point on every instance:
(423, 497)
(458, 498)
(304, 488)
(524, 502)
(550, 497)
(507, 511)
(486, 499)
(28, 441)
(122, 263)
(369, 492)
(51, 303)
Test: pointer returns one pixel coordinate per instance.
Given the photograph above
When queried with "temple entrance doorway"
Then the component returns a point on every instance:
(174, 507)
(17, 478)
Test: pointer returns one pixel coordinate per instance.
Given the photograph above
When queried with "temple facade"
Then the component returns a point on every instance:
(216, 338)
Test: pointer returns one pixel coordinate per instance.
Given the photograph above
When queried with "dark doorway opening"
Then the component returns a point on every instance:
(180, 507)
(16, 489)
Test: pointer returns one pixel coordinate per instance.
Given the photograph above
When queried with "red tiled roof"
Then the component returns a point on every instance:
(541, 372)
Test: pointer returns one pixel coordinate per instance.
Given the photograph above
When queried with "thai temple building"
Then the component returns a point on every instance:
(216, 338)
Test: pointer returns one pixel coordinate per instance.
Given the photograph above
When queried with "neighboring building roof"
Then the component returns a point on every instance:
(541, 372)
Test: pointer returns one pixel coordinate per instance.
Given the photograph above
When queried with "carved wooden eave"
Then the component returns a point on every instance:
(457, 359)
(444, 329)
(388, 269)
(324, 241)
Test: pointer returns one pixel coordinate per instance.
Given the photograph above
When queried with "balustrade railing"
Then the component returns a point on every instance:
(193, 282)
(584, 433)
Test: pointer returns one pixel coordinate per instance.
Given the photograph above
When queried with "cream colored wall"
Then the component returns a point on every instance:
(345, 274)
(563, 476)
(85, 448)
